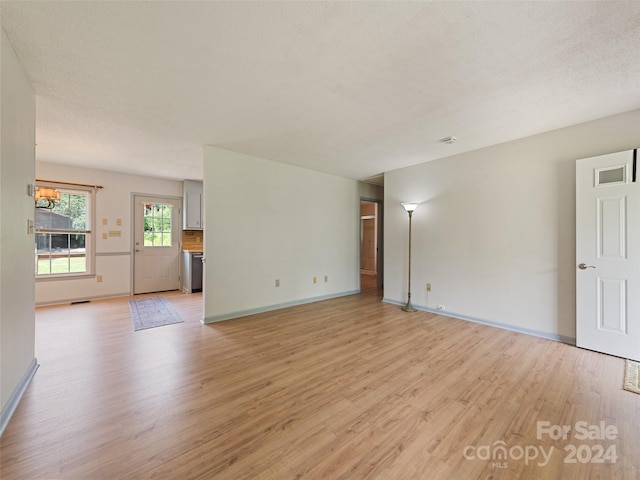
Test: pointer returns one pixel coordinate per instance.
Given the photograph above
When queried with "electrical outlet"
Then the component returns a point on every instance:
(428, 287)
(104, 236)
(277, 282)
(99, 278)
(315, 280)
(441, 307)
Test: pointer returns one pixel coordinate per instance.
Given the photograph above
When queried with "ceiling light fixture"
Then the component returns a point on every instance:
(449, 140)
(48, 195)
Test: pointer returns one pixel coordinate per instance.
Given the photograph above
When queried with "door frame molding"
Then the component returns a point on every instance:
(380, 239)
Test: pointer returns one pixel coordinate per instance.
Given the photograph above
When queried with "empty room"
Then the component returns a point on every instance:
(319, 240)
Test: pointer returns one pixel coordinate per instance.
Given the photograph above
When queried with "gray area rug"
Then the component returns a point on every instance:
(150, 312)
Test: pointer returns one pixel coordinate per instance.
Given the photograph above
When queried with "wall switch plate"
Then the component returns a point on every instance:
(428, 287)
(104, 236)
(315, 280)
(326, 278)
(277, 282)
(99, 278)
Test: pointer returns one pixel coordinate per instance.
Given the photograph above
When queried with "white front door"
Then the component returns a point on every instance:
(157, 244)
(608, 255)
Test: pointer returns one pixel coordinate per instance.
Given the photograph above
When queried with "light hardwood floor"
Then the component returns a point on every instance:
(350, 388)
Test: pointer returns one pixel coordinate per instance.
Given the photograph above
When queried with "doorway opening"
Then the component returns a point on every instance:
(371, 247)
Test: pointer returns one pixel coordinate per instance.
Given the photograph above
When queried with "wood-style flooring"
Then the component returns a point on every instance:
(350, 388)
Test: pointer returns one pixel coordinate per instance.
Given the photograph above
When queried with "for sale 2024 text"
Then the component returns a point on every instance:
(583, 431)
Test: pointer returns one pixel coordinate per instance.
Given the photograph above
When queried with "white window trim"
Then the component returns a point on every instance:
(90, 245)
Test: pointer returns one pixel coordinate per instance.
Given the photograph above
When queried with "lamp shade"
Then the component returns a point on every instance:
(409, 206)
(44, 193)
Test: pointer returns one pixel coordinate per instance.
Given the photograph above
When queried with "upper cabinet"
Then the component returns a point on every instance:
(192, 218)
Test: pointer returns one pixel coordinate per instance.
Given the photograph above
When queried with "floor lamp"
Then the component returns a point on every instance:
(410, 208)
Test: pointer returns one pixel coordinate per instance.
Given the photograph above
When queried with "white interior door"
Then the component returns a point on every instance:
(608, 255)
(157, 244)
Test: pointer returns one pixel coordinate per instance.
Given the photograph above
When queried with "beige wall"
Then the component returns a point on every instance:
(17, 167)
(495, 231)
(268, 221)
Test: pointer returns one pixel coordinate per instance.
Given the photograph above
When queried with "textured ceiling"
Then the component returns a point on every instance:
(349, 88)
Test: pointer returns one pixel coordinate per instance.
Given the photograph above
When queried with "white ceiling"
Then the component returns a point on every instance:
(348, 88)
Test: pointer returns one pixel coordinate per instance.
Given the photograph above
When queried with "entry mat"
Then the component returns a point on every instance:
(150, 312)
(631, 376)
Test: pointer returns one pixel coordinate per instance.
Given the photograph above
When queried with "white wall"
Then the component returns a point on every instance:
(113, 255)
(495, 232)
(268, 221)
(368, 191)
(17, 166)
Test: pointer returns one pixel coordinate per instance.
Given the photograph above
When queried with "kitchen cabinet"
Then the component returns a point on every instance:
(193, 199)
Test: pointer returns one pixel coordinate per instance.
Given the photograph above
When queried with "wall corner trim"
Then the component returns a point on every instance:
(535, 333)
(278, 306)
(16, 396)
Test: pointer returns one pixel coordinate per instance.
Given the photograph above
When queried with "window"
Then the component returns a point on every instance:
(611, 175)
(157, 225)
(63, 235)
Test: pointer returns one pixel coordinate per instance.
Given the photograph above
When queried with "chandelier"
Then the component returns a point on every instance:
(46, 197)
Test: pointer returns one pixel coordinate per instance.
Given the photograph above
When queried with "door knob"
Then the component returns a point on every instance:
(584, 266)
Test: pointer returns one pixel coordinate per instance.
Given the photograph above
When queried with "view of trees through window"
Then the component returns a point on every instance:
(61, 235)
(157, 225)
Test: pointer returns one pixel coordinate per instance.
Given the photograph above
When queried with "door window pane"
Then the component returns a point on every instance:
(612, 175)
(157, 225)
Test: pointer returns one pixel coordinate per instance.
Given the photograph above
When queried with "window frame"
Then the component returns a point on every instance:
(89, 232)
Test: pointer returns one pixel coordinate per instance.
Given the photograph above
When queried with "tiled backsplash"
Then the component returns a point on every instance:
(192, 240)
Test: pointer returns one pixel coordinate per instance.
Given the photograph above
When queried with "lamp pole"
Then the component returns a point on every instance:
(410, 208)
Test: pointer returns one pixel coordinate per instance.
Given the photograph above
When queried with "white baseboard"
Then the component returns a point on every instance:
(16, 396)
(269, 308)
(68, 301)
(536, 333)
